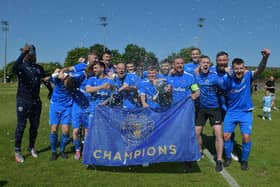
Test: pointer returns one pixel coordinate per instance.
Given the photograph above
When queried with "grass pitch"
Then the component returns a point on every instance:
(264, 162)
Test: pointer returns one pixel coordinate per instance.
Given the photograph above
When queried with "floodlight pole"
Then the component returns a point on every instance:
(200, 25)
(5, 28)
(104, 23)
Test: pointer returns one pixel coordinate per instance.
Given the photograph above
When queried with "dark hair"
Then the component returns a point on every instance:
(129, 62)
(165, 61)
(71, 84)
(204, 56)
(152, 68)
(92, 52)
(237, 61)
(221, 53)
(31, 55)
(178, 57)
(107, 52)
(196, 49)
(101, 64)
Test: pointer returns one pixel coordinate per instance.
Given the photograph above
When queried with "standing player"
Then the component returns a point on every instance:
(80, 109)
(164, 70)
(129, 87)
(209, 107)
(117, 97)
(60, 113)
(147, 89)
(100, 87)
(109, 67)
(222, 69)
(29, 106)
(183, 84)
(194, 62)
(240, 106)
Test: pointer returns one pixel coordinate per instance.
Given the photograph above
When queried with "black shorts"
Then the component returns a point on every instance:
(213, 114)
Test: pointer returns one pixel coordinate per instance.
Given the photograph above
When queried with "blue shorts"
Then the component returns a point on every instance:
(59, 114)
(244, 119)
(79, 116)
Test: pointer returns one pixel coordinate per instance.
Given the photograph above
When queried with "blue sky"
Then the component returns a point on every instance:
(240, 27)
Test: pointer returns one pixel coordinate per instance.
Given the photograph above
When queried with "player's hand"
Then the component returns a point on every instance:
(196, 70)
(145, 105)
(50, 94)
(265, 53)
(81, 60)
(26, 48)
(106, 86)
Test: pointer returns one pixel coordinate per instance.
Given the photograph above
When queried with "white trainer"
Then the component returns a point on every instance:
(18, 157)
(34, 153)
(234, 157)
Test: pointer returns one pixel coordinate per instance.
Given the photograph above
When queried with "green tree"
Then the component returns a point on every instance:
(116, 56)
(184, 53)
(134, 53)
(138, 55)
(150, 59)
(50, 67)
(73, 56)
(11, 77)
(99, 48)
(172, 56)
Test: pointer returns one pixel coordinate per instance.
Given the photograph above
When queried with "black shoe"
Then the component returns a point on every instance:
(219, 166)
(64, 155)
(53, 156)
(227, 162)
(244, 165)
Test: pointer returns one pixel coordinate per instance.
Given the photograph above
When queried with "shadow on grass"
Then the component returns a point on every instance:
(209, 143)
(177, 167)
(39, 151)
(259, 116)
(3, 183)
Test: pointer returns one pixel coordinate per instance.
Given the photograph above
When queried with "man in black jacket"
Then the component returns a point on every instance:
(28, 102)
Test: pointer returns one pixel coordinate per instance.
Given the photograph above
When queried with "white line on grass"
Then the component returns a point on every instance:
(230, 180)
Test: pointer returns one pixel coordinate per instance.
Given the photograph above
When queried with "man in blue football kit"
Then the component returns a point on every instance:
(109, 67)
(80, 109)
(209, 107)
(222, 69)
(164, 70)
(60, 113)
(194, 62)
(29, 106)
(240, 106)
(100, 87)
(82, 63)
(183, 84)
(147, 90)
(117, 97)
(129, 87)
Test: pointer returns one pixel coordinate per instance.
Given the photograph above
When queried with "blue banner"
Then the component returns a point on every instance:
(119, 137)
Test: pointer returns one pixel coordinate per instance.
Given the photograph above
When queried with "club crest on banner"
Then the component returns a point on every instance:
(136, 128)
